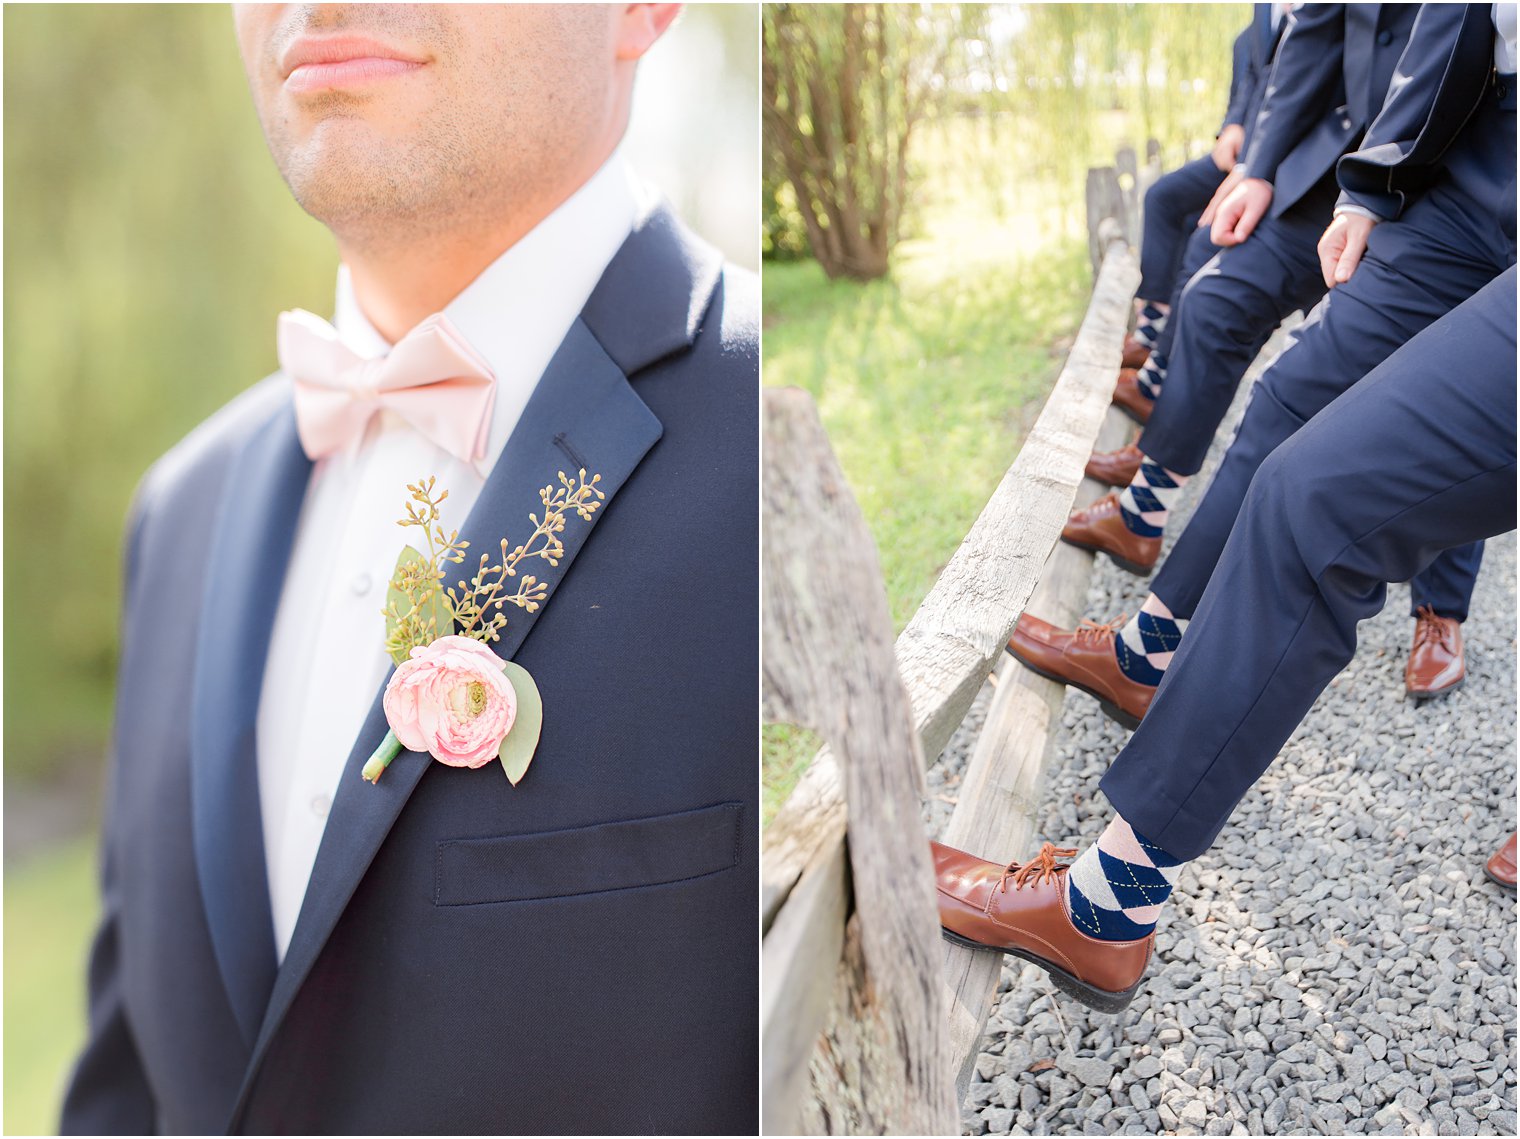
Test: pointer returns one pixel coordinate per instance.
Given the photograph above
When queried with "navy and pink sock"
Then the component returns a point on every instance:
(1144, 646)
(1151, 375)
(1145, 503)
(1150, 323)
(1116, 887)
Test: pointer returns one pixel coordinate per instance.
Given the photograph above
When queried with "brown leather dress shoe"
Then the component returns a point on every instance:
(1083, 659)
(1100, 528)
(1021, 910)
(1436, 666)
(1129, 399)
(1500, 868)
(1115, 468)
(1135, 352)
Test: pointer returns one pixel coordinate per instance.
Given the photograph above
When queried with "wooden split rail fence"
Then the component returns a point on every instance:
(871, 1023)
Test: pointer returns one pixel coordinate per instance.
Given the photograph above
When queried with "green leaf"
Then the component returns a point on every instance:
(434, 612)
(522, 741)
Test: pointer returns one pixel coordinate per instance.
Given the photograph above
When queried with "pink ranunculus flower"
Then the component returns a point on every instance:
(453, 700)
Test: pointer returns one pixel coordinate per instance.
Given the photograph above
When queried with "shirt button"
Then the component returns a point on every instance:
(320, 804)
(361, 583)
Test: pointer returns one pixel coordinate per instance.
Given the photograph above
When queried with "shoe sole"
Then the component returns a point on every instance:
(1099, 1000)
(1436, 694)
(1123, 563)
(1500, 882)
(1110, 709)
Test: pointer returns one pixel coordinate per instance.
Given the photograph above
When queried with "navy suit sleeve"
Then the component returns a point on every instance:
(1304, 78)
(1446, 61)
(1242, 79)
(108, 1093)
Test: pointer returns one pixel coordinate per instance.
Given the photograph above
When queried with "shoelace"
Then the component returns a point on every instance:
(1044, 866)
(1429, 627)
(1089, 631)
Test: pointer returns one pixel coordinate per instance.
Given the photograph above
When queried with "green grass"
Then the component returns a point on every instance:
(51, 905)
(927, 382)
(785, 752)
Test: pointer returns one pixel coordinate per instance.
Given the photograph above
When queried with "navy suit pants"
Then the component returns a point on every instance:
(1172, 207)
(1368, 492)
(1197, 251)
(1447, 245)
(1224, 316)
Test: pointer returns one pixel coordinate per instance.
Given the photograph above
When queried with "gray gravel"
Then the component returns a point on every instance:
(1336, 963)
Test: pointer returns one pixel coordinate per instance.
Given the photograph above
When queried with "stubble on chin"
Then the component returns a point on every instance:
(373, 191)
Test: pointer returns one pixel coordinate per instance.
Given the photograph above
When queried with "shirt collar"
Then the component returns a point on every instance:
(521, 306)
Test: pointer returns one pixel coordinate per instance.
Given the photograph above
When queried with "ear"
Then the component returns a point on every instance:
(640, 25)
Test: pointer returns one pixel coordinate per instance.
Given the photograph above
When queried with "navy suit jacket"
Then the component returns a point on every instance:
(1327, 83)
(1242, 78)
(1251, 65)
(1437, 87)
(576, 954)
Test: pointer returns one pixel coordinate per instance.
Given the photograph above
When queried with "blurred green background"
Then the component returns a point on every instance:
(928, 379)
(149, 246)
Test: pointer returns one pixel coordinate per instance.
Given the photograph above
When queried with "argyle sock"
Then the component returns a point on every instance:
(1151, 375)
(1114, 890)
(1150, 323)
(1145, 645)
(1144, 504)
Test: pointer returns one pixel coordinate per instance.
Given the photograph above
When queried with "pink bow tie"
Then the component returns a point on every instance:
(432, 379)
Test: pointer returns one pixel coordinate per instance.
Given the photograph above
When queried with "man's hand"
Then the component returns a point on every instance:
(1238, 214)
(1342, 245)
(1231, 180)
(1227, 146)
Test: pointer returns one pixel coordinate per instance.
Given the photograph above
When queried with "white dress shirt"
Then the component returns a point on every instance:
(326, 656)
(1503, 16)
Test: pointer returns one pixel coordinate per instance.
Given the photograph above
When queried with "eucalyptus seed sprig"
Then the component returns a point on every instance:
(420, 608)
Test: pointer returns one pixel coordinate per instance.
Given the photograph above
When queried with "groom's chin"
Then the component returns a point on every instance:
(345, 173)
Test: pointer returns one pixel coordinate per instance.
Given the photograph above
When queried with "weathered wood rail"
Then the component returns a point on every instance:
(1000, 791)
(859, 1034)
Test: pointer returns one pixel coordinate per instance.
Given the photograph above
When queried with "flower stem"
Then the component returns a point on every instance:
(389, 749)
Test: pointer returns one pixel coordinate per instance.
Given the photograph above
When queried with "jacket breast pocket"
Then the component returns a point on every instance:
(595, 859)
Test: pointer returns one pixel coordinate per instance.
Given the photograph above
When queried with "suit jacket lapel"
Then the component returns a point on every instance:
(1265, 35)
(249, 550)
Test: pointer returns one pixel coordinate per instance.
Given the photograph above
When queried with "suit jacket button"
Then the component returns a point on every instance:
(1385, 37)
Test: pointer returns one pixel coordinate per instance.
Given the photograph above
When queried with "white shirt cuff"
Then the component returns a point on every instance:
(1359, 211)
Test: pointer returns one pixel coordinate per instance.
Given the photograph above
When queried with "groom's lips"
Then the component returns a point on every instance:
(313, 64)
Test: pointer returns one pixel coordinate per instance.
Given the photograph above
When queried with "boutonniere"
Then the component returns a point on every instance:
(450, 695)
